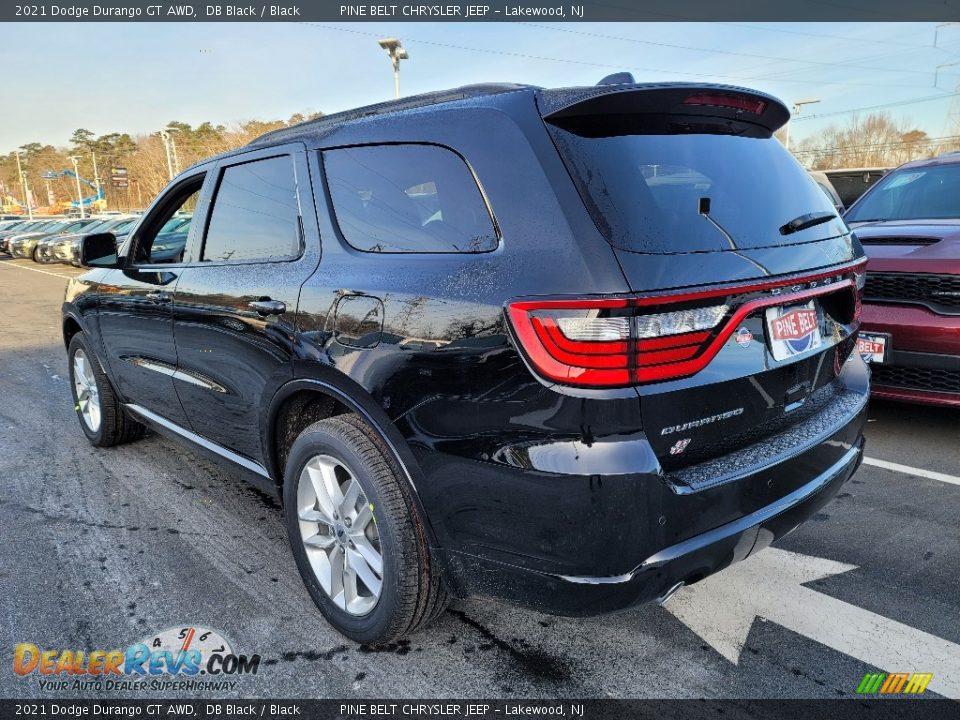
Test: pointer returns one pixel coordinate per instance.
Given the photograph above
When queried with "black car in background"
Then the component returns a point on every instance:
(498, 340)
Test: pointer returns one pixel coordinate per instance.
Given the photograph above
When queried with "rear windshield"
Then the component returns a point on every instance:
(646, 193)
(929, 193)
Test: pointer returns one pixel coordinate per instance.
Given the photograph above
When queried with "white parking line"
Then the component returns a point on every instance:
(897, 467)
(45, 272)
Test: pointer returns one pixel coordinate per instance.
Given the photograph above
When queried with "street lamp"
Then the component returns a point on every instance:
(76, 176)
(96, 178)
(23, 184)
(796, 111)
(172, 159)
(396, 53)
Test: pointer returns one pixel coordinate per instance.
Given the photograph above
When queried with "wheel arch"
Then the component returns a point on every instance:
(344, 399)
(70, 326)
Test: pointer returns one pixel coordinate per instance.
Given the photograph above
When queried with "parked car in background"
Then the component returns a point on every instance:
(18, 227)
(555, 361)
(25, 245)
(821, 179)
(60, 248)
(179, 222)
(851, 183)
(909, 225)
(24, 228)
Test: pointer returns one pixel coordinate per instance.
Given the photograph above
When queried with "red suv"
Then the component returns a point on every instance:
(909, 224)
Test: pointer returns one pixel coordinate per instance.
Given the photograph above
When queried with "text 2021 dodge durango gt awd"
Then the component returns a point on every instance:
(570, 348)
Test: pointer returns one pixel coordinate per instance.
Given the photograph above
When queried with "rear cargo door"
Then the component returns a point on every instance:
(743, 272)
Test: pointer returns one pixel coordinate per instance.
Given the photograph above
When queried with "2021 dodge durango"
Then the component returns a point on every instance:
(909, 225)
(570, 348)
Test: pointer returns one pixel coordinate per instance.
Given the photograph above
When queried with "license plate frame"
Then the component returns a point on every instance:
(870, 353)
(793, 329)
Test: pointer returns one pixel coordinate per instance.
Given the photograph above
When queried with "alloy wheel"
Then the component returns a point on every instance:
(87, 392)
(339, 533)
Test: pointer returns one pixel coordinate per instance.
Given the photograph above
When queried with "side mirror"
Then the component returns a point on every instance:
(99, 250)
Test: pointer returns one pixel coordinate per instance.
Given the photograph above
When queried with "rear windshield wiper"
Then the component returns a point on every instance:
(806, 221)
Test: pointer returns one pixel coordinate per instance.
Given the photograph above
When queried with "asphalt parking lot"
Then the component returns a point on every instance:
(99, 549)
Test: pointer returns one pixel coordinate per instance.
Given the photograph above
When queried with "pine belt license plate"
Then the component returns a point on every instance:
(873, 347)
(793, 329)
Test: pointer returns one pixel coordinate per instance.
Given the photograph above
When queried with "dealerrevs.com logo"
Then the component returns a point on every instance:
(182, 658)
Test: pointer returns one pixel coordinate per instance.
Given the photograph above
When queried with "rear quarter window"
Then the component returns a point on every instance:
(407, 198)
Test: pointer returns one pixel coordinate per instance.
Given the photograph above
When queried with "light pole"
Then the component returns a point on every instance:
(396, 53)
(23, 185)
(139, 196)
(173, 149)
(96, 176)
(76, 176)
(165, 136)
(796, 111)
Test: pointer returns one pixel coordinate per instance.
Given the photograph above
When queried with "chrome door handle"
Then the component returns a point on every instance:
(269, 307)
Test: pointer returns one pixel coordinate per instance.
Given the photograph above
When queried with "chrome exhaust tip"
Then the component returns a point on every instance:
(662, 599)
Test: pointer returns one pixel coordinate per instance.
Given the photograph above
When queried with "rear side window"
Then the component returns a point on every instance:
(648, 193)
(255, 214)
(408, 199)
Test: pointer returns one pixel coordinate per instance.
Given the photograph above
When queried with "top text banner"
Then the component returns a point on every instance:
(517, 11)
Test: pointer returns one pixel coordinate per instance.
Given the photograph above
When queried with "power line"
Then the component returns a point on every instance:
(900, 103)
(724, 52)
(570, 61)
(823, 35)
(878, 146)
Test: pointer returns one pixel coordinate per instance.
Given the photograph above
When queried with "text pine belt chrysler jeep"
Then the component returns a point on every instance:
(571, 348)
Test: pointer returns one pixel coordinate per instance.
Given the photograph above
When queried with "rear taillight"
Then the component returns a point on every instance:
(611, 342)
(860, 280)
(622, 341)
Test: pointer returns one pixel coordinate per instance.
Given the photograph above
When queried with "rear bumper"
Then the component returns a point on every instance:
(686, 562)
(924, 365)
(576, 545)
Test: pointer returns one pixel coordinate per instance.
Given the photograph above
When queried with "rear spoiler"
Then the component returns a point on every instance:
(698, 104)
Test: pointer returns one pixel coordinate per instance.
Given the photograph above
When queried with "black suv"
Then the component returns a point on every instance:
(573, 348)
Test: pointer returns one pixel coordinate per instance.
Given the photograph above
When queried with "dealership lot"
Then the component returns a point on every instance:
(104, 548)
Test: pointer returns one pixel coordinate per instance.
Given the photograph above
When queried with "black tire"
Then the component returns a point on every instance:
(116, 425)
(412, 591)
(36, 254)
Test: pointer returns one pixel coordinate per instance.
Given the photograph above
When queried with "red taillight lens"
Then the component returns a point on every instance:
(860, 279)
(611, 342)
(617, 342)
(734, 102)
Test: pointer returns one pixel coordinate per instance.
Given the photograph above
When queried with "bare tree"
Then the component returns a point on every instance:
(873, 140)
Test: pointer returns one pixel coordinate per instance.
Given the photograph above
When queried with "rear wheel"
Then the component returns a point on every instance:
(102, 417)
(357, 537)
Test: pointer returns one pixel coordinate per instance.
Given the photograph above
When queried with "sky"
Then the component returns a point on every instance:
(137, 77)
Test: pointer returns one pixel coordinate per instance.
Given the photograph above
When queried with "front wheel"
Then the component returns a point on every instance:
(357, 537)
(102, 417)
